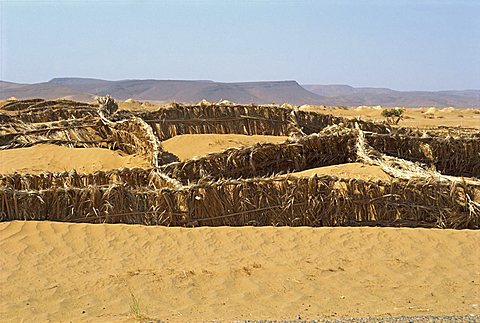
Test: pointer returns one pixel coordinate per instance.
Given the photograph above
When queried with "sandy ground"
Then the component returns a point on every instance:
(414, 117)
(134, 105)
(59, 272)
(350, 170)
(53, 158)
(189, 146)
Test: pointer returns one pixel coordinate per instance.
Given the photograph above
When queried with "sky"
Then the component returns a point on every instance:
(403, 44)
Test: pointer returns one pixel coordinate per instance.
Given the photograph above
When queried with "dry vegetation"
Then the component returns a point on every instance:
(433, 173)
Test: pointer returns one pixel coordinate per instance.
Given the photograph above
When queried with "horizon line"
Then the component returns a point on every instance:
(237, 82)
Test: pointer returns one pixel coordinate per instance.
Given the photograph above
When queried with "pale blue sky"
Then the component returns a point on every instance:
(404, 45)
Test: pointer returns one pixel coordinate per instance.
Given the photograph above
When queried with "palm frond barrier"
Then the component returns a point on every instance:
(230, 188)
(277, 201)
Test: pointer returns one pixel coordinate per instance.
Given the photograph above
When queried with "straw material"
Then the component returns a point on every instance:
(38, 110)
(448, 155)
(312, 151)
(131, 177)
(315, 201)
(230, 188)
(249, 120)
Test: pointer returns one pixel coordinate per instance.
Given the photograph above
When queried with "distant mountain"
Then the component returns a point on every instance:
(350, 96)
(194, 91)
(41, 90)
(85, 89)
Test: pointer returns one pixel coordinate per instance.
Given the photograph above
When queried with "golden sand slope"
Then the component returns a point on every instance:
(53, 158)
(136, 105)
(349, 170)
(189, 146)
(60, 272)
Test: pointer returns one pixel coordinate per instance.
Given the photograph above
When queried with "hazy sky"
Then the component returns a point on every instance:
(404, 44)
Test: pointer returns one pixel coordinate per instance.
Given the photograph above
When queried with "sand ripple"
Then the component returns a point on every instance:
(59, 271)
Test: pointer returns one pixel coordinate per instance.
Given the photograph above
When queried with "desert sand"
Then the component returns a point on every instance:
(349, 170)
(52, 158)
(414, 117)
(136, 105)
(71, 272)
(189, 146)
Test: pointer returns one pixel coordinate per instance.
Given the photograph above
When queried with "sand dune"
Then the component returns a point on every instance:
(52, 158)
(189, 146)
(59, 272)
(350, 170)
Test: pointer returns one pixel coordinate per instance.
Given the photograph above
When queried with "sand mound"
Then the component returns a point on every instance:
(53, 158)
(368, 108)
(189, 146)
(135, 105)
(449, 109)
(76, 272)
(350, 170)
(307, 107)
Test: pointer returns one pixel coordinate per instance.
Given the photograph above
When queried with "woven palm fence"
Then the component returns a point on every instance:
(260, 160)
(129, 136)
(136, 178)
(38, 110)
(132, 136)
(74, 133)
(440, 132)
(230, 188)
(314, 201)
(267, 159)
(449, 155)
(249, 120)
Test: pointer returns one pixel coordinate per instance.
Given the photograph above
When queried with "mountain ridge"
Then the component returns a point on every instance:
(260, 92)
(339, 94)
